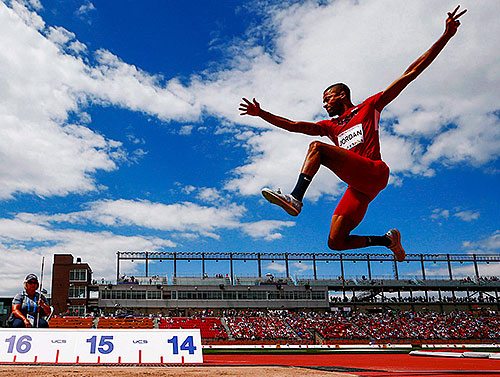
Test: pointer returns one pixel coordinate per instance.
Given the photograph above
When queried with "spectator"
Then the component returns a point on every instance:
(29, 307)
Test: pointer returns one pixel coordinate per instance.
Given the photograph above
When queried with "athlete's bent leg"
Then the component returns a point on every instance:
(309, 169)
(340, 237)
(350, 211)
(365, 175)
(347, 216)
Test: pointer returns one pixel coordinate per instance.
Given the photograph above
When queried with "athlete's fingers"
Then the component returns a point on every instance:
(455, 11)
(255, 102)
(460, 14)
(247, 101)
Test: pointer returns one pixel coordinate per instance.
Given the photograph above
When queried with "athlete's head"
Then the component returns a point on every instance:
(335, 99)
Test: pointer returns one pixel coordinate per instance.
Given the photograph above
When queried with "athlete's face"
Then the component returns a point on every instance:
(333, 102)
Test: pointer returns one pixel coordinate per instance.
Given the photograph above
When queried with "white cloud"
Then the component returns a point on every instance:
(135, 140)
(35, 4)
(35, 104)
(186, 130)
(483, 246)
(22, 244)
(433, 123)
(460, 271)
(475, 144)
(188, 189)
(85, 9)
(184, 216)
(467, 216)
(302, 266)
(28, 236)
(490, 244)
(35, 70)
(439, 213)
(210, 195)
(276, 266)
(60, 35)
(304, 59)
(184, 219)
(266, 229)
(464, 215)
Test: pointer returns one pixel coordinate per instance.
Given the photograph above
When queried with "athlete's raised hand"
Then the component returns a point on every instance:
(249, 108)
(452, 22)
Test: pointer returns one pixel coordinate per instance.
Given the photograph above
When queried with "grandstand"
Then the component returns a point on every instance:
(314, 327)
(368, 282)
(373, 306)
(411, 285)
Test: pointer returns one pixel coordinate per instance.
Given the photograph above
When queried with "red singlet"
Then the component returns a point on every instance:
(366, 174)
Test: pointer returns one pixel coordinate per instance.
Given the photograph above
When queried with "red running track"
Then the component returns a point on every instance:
(376, 365)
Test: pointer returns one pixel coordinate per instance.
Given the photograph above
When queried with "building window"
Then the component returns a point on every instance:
(77, 310)
(318, 295)
(252, 295)
(154, 295)
(77, 291)
(78, 275)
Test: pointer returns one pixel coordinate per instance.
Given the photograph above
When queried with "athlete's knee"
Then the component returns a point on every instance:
(337, 244)
(316, 146)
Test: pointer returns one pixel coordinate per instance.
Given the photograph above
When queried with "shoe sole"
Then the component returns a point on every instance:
(397, 249)
(272, 198)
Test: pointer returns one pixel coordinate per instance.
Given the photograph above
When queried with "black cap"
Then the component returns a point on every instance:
(31, 277)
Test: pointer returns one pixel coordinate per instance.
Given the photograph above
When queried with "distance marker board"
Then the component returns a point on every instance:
(100, 346)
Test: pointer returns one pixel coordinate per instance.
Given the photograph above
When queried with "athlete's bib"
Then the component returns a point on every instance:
(351, 137)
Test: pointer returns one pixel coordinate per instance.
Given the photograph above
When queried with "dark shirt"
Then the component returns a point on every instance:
(28, 306)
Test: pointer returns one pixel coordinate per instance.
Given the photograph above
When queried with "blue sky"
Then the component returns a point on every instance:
(121, 130)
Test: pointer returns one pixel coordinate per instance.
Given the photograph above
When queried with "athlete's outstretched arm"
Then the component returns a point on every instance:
(419, 65)
(253, 108)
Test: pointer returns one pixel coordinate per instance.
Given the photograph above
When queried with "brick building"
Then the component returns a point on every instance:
(70, 285)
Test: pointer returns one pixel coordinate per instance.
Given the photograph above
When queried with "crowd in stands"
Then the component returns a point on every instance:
(125, 323)
(418, 299)
(259, 325)
(309, 327)
(387, 326)
(210, 327)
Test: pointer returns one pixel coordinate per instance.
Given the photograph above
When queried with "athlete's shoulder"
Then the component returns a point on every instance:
(326, 126)
(326, 122)
(372, 99)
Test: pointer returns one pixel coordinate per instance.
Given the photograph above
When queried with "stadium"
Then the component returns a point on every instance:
(239, 188)
(261, 314)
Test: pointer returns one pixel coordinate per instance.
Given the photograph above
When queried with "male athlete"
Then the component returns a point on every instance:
(355, 158)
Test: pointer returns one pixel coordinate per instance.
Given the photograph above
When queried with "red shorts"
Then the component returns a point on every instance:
(366, 178)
